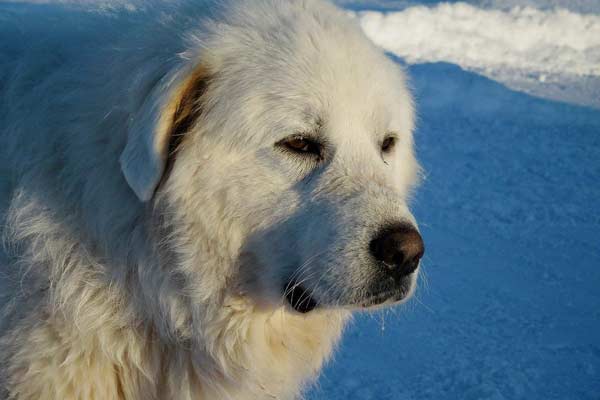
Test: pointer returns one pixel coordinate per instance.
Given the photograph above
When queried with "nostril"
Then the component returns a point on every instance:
(417, 258)
(385, 248)
(399, 258)
(399, 248)
(412, 265)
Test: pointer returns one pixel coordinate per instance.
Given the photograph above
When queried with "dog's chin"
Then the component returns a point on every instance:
(386, 299)
(300, 300)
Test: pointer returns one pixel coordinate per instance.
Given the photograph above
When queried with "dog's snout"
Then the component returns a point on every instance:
(399, 249)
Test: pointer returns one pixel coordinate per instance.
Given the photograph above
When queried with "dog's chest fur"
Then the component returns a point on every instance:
(105, 356)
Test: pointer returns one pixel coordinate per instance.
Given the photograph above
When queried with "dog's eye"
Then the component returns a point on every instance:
(388, 144)
(301, 145)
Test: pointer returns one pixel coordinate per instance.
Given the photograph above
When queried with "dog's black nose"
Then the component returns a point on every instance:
(399, 249)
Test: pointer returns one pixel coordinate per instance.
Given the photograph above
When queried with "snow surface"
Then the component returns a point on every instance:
(536, 50)
(580, 6)
(548, 42)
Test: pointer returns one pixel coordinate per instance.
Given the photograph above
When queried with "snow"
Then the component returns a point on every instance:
(580, 6)
(557, 41)
(531, 49)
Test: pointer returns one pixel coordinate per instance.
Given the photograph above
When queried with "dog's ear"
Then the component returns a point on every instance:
(157, 129)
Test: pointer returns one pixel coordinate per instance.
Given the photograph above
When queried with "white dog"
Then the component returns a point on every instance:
(193, 202)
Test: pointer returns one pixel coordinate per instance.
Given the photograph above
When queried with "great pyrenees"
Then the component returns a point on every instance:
(194, 197)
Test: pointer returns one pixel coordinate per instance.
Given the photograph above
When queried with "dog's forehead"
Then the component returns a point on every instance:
(312, 68)
(344, 85)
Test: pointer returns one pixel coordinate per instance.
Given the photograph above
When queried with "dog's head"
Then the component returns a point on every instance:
(284, 156)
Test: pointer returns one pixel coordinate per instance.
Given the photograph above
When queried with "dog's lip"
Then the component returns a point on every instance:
(391, 296)
(299, 298)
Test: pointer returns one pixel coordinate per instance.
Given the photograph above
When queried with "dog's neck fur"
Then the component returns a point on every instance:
(83, 344)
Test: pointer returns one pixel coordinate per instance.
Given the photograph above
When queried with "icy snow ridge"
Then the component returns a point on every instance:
(522, 47)
(526, 38)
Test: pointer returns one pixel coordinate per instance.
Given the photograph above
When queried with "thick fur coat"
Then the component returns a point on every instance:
(151, 218)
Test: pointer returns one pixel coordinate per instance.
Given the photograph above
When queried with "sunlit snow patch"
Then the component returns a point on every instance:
(551, 53)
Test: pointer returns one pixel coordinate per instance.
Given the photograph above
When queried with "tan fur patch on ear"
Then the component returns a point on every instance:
(185, 110)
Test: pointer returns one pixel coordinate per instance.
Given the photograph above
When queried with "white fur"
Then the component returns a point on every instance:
(124, 280)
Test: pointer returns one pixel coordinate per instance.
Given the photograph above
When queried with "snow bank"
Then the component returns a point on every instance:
(524, 38)
(514, 46)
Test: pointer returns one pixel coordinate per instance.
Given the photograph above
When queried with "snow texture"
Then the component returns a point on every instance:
(536, 50)
(557, 41)
(580, 6)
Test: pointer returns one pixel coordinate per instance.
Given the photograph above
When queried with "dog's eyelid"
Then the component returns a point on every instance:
(391, 135)
(389, 142)
(302, 144)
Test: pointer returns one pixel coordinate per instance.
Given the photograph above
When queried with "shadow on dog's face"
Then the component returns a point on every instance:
(336, 252)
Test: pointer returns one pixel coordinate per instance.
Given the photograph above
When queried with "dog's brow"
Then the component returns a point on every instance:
(315, 126)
